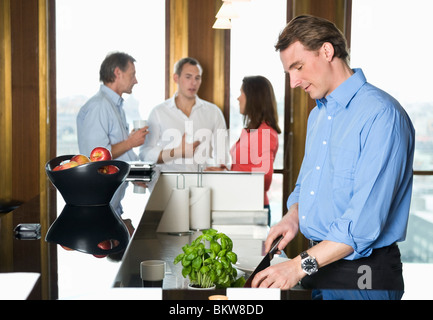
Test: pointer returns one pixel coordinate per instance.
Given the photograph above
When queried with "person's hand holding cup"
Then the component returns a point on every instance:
(139, 124)
(138, 134)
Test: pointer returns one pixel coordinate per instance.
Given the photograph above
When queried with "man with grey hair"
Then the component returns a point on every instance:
(186, 131)
(101, 122)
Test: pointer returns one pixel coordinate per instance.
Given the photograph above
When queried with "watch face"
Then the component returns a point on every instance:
(309, 265)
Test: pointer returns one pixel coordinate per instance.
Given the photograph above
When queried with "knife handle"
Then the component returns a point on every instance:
(275, 244)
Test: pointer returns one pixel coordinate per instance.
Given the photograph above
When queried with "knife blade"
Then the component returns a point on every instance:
(265, 263)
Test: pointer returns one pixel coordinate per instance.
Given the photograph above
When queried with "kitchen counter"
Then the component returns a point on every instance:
(76, 275)
(147, 244)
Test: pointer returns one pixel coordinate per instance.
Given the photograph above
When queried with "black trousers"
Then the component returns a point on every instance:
(382, 270)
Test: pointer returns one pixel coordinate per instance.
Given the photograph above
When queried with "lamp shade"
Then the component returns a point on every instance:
(222, 23)
(227, 11)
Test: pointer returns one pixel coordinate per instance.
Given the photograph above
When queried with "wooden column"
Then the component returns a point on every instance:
(221, 74)
(299, 104)
(191, 34)
(6, 222)
(177, 43)
(25, 120)
(25, 98)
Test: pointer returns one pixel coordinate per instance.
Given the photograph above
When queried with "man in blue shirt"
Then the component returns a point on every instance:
(101, 122)
(353, 192)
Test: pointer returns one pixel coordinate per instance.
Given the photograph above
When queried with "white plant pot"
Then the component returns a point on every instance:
(190, 286)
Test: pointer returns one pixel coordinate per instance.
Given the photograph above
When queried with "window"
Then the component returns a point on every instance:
(253, 36)
(86, 32)
(389, 42)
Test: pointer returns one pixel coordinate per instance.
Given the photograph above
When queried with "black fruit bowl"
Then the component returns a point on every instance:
(83, 228)
(84, 185)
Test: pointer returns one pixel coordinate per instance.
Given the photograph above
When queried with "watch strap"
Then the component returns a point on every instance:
(304, 254)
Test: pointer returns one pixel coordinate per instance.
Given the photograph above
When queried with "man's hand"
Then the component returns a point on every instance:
(287, 274)
(135, 139)
(284, 275)
(138, 136)
(222, 167)
(184, 150)
(288, 227)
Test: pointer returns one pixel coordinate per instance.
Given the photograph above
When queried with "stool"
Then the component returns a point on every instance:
(8, 206)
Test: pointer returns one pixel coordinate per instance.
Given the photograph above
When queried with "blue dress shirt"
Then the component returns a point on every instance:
(101, 122)
(355, 182)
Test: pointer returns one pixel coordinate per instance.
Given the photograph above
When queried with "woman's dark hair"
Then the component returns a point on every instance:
(312, 32)
(261, 104)
(110, 63)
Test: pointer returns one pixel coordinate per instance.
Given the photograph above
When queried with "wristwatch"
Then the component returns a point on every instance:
(308, 263)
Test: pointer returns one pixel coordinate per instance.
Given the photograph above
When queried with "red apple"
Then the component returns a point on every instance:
(80, 159)
(110, 169)
(66, 165)
(99, 255)
(100, 154)
(106, 245)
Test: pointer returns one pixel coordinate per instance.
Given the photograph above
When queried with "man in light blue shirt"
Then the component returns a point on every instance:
(101, 122)
(353, 192)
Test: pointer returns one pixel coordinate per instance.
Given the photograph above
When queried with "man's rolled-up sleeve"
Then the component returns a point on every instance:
(380, 172)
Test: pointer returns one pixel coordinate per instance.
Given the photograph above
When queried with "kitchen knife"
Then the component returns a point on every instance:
(266, 261)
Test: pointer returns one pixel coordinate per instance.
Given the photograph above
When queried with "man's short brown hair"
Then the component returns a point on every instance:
(312, 32)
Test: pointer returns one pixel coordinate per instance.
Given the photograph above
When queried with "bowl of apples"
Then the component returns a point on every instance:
(87, 181)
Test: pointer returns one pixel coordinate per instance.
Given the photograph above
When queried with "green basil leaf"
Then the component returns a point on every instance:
(178, 258)
(232, 256)
(196, 263)
(222, 253)
(185, 262)
(186, 271)
(204, 269)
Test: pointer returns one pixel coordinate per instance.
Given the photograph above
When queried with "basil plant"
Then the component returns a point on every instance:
(208, 260)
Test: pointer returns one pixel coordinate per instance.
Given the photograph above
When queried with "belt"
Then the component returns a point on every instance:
(312, 243)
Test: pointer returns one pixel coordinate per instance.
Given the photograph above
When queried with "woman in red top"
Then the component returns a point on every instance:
(257, 146)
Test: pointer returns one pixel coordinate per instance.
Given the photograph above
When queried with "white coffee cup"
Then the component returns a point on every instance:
(138, 124)
(152, 272)
(139, 189)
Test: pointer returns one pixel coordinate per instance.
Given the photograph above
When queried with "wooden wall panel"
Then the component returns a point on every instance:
(25, 99)
(25, 114)
(177, 42)
(201, 42)
(6, 221)
(5, 101)
(299, 104)
(191, 34)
